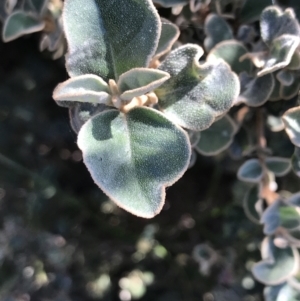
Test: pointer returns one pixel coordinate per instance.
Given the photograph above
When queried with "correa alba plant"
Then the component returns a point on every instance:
(144, 103)
(137, 144)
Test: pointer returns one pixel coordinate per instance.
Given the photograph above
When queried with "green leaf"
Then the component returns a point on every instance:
(39, 5)
(285, 77)
(255, 91)
(251, 204)
(295, 61)
(281, 32)
(251, 171)
(133, 157)
(84, 88)
(280, 55)
(171, 3)
(20, 23)
(277, 264)
(274, 23)
(294, 199)
(216, 30)
(217, 137)
(279, 166)
(289, 217)
(231, 51)
(81, 112)
(108, 38)
(271, 218)
(296, 161)
(252, 9)
(169, 35)
(139, 81)
(275, 95)
(283, 292)
(194, 137)
(291, 119)
(287, 92)
(191, 98)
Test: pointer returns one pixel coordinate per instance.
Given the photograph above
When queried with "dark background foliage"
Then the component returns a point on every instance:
(62, 239)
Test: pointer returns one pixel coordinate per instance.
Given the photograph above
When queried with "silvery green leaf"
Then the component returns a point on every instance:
(271, 218)
(283, 292)
(194, 137)
(216, 30)
(277, 264)
(20, 23)
(288, 293)
(217, 137)
(193, 159)
(108, 38)
(279, 166)
(133, 157)
(285, 77)
(251, 204)
(289, 217)
(275, 23)
(275, 123)
(281, 32)
(295, 61)
(291, 119)
(171, 3)
(83, 88)
(255, 91)
(39, 5)
(81, 112)
(169, 35)
(190, 98)
(275, 95)
(288, 92)
(280, 55)
(294, 199)
(9, 5)
(251, 171)
(251, 10)
(139, 81)
(231, 51)
(296, 161)
(246, 33)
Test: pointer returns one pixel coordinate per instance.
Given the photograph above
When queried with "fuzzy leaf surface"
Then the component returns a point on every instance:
(217, 137)
(171, 3)
(231, 51)
(255, 91)
(20, 23)
(139, 81)
(217, 30)
(191, 98)
(169, 34)
(251, 171)
(291, 119)
(84, 88)
(133, 157)
(252, 9)
(277, 264)
(279, 166)
(108, 38)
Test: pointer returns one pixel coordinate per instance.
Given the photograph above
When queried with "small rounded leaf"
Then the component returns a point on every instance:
(108, 38)
(251, 171)
(279, 166)
(217, 30)
(296, 161)
(217, 137)
(251, 204)
(133, 157)
(191, 98)
(231, 51)
(20, 23)
(291, 119)
(139, 81)
(84, 88)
